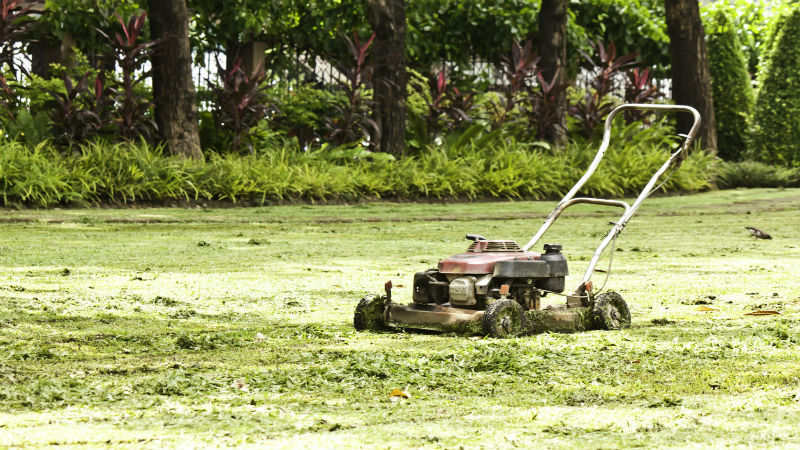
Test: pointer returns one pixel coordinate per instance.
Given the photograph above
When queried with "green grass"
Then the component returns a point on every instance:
(154, 328)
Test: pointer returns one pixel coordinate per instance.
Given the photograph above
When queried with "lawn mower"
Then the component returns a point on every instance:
(495, 287)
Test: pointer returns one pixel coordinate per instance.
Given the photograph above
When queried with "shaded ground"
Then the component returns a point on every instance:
(231, 328)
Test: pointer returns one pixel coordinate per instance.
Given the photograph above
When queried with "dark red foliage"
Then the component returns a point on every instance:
(81, 112)
(132, 118)
(447, 105)
(639, 88)
(520, 71)
(604, 78)
(353, 122)
(241, 103)
(545, 105)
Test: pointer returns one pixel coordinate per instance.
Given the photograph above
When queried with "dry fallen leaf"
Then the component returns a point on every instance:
(705, 308)
(398, 393)
(762, 313)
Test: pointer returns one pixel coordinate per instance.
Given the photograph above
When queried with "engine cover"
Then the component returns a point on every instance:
(462, 291)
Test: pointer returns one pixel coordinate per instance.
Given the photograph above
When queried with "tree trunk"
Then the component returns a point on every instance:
(691, 82)
(388, 20)
(553, 62)
(173, 87)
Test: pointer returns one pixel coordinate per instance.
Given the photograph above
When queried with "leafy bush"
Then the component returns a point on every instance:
(730, 82)
(752, 174)
(131, 51)
(241, 103)
(352, 122)
(469, 164)
(751, 21)
(593, 108)
(15, 23)
(776, 118)
(27, 128)
(301, 110)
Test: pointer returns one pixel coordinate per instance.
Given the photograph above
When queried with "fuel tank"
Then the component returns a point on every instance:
(481, 257)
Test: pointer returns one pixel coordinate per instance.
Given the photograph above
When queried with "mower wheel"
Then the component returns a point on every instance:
(504, 318)
(369, 313)
(610, 312)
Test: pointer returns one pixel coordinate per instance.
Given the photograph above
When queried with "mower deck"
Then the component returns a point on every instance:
(556, 319)
(376, 312)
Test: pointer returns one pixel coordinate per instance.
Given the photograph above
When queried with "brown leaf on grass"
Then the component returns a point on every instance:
(705, 308)
(762, 313)
(398, 393)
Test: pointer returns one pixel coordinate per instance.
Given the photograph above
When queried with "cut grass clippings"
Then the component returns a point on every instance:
(118, 330)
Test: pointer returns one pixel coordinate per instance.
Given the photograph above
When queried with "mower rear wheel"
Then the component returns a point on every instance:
(369, 313)
(504, 318)
(610, 312)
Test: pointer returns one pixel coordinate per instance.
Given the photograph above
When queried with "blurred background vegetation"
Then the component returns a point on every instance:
(285, 101)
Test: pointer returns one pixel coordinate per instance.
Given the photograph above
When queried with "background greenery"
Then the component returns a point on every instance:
(470, 134)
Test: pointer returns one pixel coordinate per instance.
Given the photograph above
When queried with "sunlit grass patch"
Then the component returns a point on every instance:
(123, 333)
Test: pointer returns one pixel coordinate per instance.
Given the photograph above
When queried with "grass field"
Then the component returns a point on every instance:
(152, 328)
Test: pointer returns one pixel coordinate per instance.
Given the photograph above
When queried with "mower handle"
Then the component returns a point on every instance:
(675, 159)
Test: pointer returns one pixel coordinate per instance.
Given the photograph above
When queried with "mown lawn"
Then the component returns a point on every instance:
(192, 328)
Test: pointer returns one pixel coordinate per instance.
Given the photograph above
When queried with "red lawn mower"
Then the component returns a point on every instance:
(495, 287)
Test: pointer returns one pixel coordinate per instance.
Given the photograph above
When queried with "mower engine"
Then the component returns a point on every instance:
(491, 270)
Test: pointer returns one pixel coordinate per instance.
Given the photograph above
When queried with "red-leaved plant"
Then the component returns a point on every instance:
(519, 71)
(81, 112)
(132, 115)
(447, 106)
(604, 72)
(353, 122)
(241, 103)
(544, 103)
(639, 88)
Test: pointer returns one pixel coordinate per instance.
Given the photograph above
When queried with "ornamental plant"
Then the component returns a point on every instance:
(731, 88)
(775, 134)
(241, 102)
(353, 122)
(130, 52)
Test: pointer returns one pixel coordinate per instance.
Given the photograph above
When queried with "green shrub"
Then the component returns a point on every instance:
(752, 174)
(776, 119)
(730, 82)
(468, 165)
(34, 176)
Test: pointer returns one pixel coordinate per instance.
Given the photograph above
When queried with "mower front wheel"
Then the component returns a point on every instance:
(504, 318)
(610, 312)
(369, 313)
